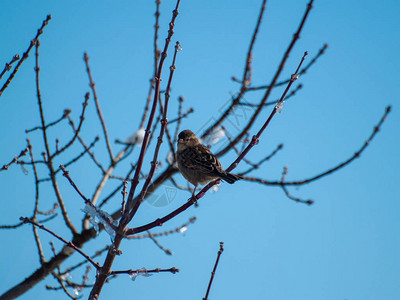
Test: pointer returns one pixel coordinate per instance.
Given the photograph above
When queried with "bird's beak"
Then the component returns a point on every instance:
(180, 141)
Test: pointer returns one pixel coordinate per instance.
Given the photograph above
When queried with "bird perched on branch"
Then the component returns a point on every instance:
(197, 164)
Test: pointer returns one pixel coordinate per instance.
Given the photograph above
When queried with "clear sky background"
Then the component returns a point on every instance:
(345, 246)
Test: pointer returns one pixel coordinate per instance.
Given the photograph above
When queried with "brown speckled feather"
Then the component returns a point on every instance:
(200, 158)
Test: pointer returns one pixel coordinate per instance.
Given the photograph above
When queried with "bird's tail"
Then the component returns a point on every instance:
(230, 178)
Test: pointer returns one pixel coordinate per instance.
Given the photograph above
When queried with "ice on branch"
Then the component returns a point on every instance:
(136, 138)
(183, 229)
(171, 159)
(279, 106)
(141, 272)
(214, 136)
(66, 276)
(294, 77)
(76, 291)
(215, 188)
(97, 216)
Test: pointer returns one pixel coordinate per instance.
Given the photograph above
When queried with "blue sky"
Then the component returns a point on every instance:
(345, 246)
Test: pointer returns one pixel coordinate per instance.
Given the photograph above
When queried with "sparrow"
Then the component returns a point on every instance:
(196, 162)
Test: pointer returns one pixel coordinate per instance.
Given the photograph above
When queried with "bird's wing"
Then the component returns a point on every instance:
(200, 158)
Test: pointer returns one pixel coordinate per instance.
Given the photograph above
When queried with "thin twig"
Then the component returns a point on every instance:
(8, 66)
(91, 154)
(15, 159)
(66, 175)
(167, 133)
(291, 94)
(246, 79)
(286, 191)
(155, 125)
(80, 155)
(120, 156)
(22, 223)
(138, 271)
(257, 165)
(157, 52)
(96, 101)
(26, 54)
(49, 212)
(302, 71)
(47, 154)
(62, 286)
(180, 229)
(179, 118)
(81, 118)
(253, 118)
(12, 226)
(334, 169)
(221, 249)
(105, 200)
(42, 259)
(181, 187)
(234, 147)
(58, 276)
(69, 244)
(124, 194)
(64, 116)
(98, 253)
(166, 251)
(156, 58)
(295, 199)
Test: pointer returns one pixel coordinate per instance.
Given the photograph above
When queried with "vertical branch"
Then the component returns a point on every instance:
(145, 142)
(36, 207)
(124, 193)
(169, 138)
(46, 144)
(156, 27)
(104, 271)
(221, 249)
(164, 122)
(179, 119)
(156, 57)
(96, 101)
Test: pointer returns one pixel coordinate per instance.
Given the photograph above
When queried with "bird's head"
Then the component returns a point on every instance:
(187, 139)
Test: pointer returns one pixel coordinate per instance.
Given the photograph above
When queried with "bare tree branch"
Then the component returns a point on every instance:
(96, 101)
(221, 249)
(26, 54)
(15, 159)
(8, 66)
(357, 154)
(69, 244)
